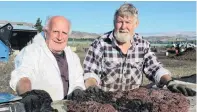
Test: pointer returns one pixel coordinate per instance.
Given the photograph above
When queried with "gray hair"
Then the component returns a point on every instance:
(48, 22)
(126, 10)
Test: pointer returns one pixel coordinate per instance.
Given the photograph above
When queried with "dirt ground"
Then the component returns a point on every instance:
(182, 67)
(178, 67)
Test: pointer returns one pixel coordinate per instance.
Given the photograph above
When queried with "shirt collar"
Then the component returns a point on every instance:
(62, 54)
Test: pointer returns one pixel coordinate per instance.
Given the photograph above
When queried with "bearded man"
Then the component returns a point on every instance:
(118, 59)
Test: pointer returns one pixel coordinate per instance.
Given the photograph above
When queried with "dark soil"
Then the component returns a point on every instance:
(191, 79)
(189, 54)
(137, 100)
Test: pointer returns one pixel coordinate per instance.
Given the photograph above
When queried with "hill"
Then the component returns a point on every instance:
(79, 35)
(148, 36)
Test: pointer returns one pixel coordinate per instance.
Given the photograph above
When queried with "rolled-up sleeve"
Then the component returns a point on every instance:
(152, 68)
(92, 62)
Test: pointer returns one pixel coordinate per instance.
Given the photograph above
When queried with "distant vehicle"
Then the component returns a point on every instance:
(179, 47)
(13, 37)
(5, 35)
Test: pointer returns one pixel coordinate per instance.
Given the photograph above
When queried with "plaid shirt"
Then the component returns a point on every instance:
(114, 70)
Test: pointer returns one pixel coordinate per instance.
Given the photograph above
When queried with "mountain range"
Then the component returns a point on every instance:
(79, 35)
(189, 35)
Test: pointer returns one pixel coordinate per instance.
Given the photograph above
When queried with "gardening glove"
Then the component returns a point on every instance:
(93, 89)
(31, 102)
(37, 101)
(76, 93)
(179, 88)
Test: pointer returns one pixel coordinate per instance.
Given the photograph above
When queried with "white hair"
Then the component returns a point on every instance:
(126, 10)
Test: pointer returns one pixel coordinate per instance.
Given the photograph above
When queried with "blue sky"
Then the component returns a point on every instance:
(97, 17)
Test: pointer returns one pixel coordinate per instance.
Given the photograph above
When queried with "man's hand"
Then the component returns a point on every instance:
(179, 88)
(90, 82)
(76, 93)
(23, 85)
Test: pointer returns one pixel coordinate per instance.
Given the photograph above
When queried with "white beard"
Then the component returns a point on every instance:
(122, 37)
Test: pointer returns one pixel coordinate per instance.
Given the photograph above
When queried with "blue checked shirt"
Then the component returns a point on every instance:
(114, 70)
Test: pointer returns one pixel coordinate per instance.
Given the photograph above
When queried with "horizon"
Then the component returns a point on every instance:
(97, 16)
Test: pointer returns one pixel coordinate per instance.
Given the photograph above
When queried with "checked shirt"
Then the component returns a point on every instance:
(114, 70)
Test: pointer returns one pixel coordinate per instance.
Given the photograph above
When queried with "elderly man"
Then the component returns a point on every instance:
(48, 64)
(118, 59)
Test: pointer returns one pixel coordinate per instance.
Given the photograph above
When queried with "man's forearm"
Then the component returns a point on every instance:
(90, 82)
(165, 78)
(23, 86)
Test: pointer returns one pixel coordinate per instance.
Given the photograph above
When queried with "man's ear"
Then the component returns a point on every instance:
(45, 33)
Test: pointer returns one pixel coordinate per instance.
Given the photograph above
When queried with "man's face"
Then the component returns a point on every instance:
(57, 34)
(125, 28)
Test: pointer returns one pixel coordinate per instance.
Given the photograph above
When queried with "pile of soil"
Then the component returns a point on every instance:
(89, 106)
(189, 54)
(137, 100)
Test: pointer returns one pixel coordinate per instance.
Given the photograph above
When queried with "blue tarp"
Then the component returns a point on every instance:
(7, 97)
(4, 52)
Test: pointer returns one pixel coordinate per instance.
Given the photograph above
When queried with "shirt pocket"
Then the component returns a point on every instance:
(133, 74)
(138, 61)
(110, 71)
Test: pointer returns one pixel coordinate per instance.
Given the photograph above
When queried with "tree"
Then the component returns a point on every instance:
(38, 25)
